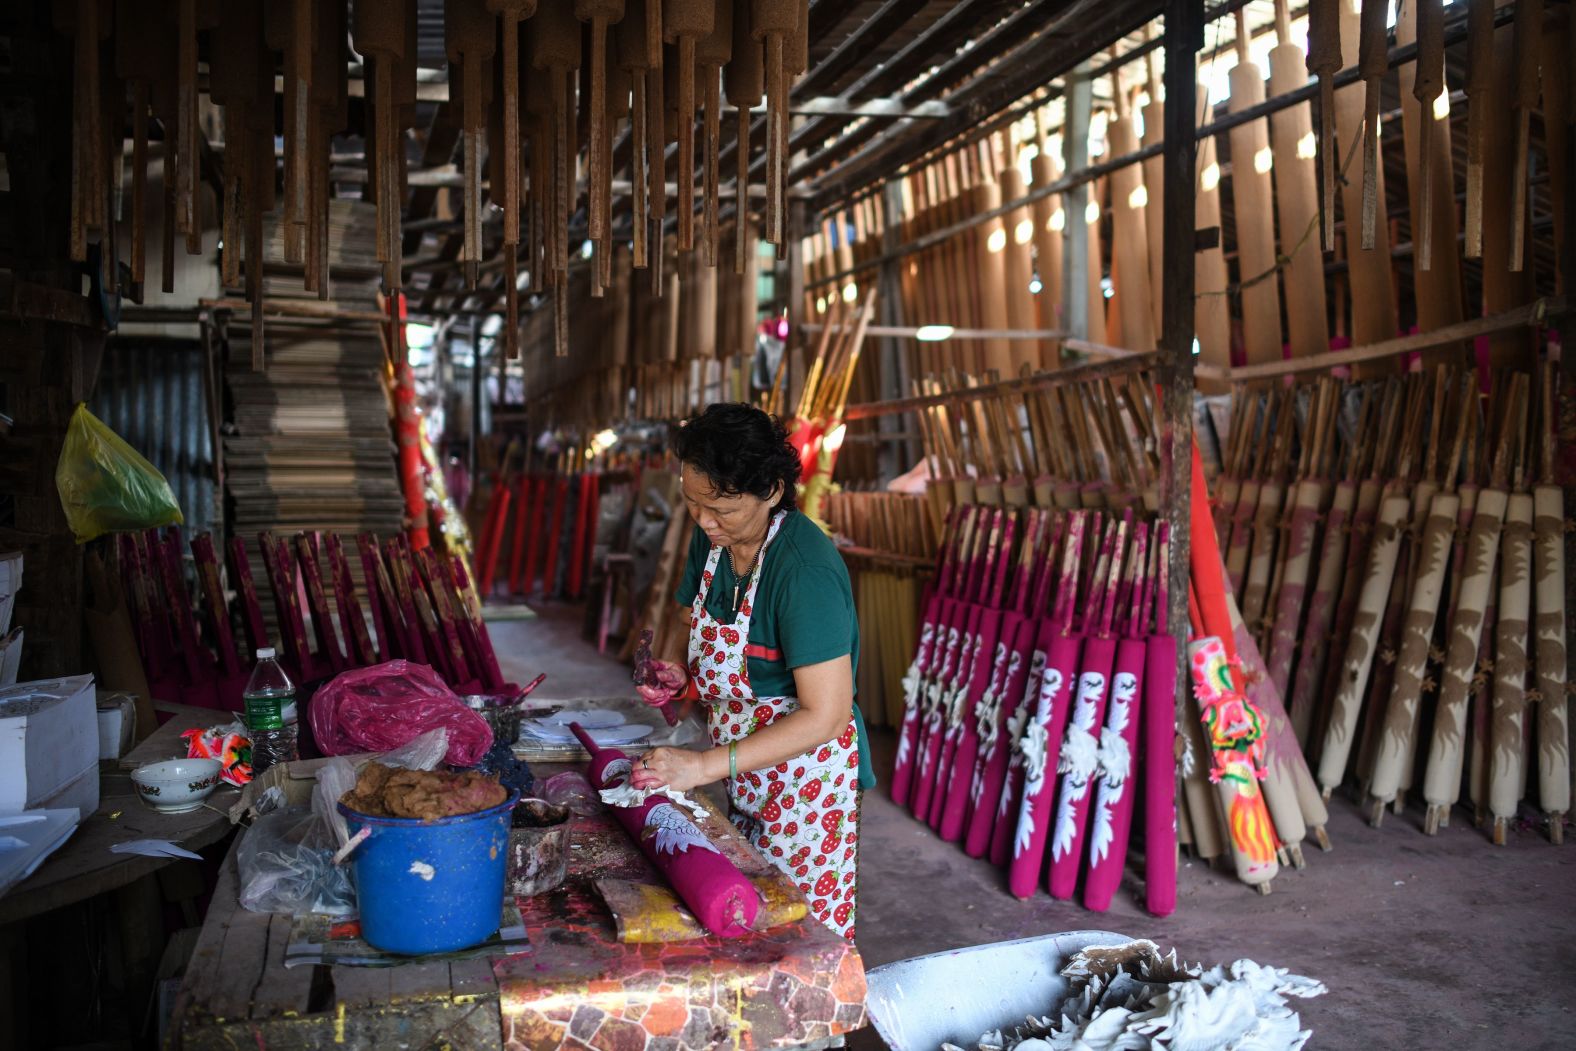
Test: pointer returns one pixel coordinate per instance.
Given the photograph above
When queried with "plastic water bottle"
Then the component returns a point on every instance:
(268, 693)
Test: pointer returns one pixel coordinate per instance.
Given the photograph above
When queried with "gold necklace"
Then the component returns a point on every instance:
(749, 571)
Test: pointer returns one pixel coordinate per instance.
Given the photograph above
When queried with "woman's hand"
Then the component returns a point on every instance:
(670, 679)
(677, 768)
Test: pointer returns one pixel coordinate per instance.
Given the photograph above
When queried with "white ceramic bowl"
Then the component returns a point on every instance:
(175, 786)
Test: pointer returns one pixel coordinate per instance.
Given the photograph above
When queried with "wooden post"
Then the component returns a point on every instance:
(794, 352)
(1183, 37)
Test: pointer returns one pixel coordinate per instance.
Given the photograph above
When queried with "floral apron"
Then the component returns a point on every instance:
(803, 814)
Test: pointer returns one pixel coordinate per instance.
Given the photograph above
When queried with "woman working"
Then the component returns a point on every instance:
(773, 643)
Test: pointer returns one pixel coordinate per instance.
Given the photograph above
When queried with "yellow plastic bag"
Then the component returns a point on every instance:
(106, 486)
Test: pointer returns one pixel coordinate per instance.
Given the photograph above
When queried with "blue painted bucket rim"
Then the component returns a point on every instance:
(414, 822)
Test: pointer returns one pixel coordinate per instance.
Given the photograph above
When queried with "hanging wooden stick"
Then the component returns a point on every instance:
(600, 14)
(711, 54)
(772, 22)
(1528, 31)
(470, 33)
(685, 22)
(555, 48)
(1480, 78)
(1324, 61)
(744, 82)
(634, 57)
(1372, 62)
(1428, 82)
(511, 13)
(380, 35)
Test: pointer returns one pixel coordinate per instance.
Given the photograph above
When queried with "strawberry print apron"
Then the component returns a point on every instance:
(803, 814)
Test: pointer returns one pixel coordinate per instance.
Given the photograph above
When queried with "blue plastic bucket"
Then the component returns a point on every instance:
(431, 886)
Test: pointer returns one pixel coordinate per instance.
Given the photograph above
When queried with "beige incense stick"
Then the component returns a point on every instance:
(470, 33)
(599, 14)
(991, 275)
(1406, 694)
(1442, 779)
(1510, 664)
(634, 57)
(772, 22)
(1428, 81)
(1251, 161)
(1429, 179)
(1297, 197)
(712, 53)
(1129, 238)
(511, 13)
(1094, 290)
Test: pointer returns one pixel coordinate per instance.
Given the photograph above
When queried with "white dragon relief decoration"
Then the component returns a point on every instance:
(1034, 744)
(673, 832)
(1080, 756)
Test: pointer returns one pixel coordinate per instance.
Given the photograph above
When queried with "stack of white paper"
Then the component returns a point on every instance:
(26, 839)
(49, 745)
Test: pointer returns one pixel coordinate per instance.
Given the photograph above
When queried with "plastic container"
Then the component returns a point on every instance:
(431, 886)
(269, 700)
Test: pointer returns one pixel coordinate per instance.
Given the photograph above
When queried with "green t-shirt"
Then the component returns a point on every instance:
(804, 612)
(804, 607)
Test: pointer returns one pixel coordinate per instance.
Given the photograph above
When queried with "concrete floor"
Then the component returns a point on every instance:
(1423, 942)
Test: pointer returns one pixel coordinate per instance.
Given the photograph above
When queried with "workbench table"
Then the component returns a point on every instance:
(577, 987)
(84, 866)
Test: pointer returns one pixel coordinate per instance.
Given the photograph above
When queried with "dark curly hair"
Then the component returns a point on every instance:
(741, 449)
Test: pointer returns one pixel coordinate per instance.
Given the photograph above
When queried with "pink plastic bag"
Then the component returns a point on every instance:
(382, 707)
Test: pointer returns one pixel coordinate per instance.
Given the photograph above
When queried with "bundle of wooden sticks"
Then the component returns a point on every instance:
(1393, 575)
(421, 605)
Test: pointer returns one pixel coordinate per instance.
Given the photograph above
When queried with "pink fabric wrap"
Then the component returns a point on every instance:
(1159, 766)
(1077, 782)
(1039, 787)
(1116, 786)
(990, 765)
(722, 899)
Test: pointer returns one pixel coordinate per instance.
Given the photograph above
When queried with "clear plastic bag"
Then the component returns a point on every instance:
(106, 486)
(286, 862)
(385, 706)
(286, 858)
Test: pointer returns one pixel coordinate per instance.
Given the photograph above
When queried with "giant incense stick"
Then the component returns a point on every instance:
(1041, 742)
(1480, 72)
(1115, 796)
(1406, 694)
(1308, 501)
(1212, 305)
(1080, 750)
(1505, 770)
(1324, 61)
(1527, 30)
(1548, 572)
(1158, 726)
(1234, 727)
(1442, 779)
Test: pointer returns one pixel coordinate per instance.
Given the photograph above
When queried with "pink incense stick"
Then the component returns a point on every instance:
(990, 657)
(722, 899)
(927, 803)
(927, 657)
(1041, 743)
(1115, 793)
(956, 661)
(1005, 691)
(943, 658)
(1080, 750)
(1314, 638)
(1158, 726)
(1000, 769)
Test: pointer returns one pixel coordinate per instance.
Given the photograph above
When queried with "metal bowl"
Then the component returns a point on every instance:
(501, 713)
